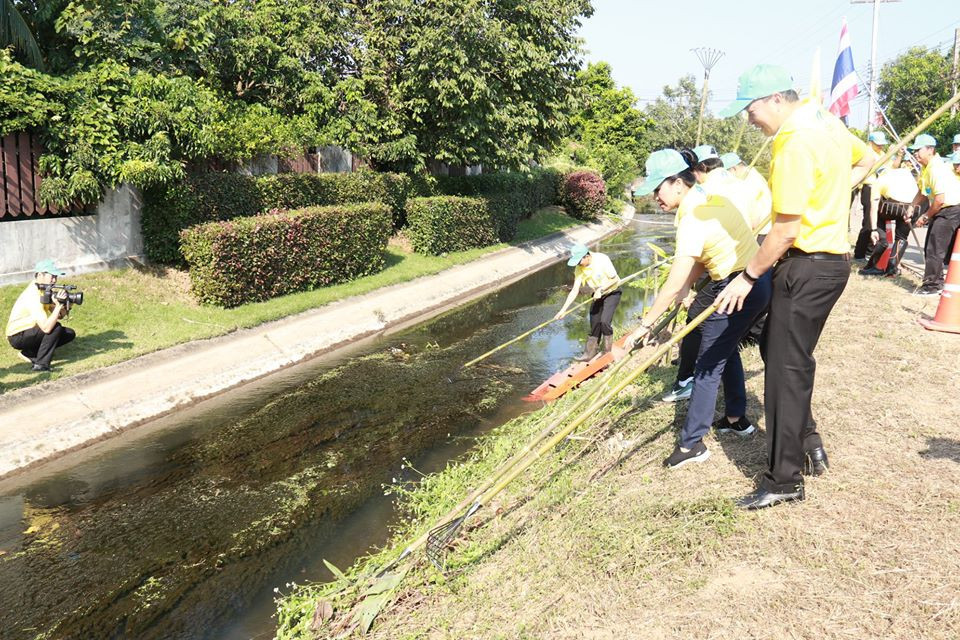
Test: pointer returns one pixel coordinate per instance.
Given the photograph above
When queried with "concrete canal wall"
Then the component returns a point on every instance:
(43, 422)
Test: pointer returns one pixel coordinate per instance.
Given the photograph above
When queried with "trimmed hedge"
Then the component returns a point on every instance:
(584, 194)
(449, 223)
(260, 257)
(512, 196)
(199, 198)
(212, 197)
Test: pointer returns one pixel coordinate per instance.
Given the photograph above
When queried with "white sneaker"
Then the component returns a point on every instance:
(681, 391)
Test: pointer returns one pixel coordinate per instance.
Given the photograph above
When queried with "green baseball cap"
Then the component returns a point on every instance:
(47, 266)
(956, 139)
(878, 137)
(705, 151)
(577, 252)
(954, 157)
(730, 160)
(923, 140)
(661, 165)
(759, 82)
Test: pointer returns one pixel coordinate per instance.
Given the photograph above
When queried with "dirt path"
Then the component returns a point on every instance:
(643, 552)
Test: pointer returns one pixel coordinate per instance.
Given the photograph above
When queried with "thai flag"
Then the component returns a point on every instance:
(844, 88)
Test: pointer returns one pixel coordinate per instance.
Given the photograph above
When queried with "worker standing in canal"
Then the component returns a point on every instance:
(815, 162)
(595, 270)
(713, 237)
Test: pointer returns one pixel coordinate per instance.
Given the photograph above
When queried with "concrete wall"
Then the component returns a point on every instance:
(78, 244)
(335, 160)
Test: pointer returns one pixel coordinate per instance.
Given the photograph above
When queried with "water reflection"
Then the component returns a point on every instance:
(180, 531)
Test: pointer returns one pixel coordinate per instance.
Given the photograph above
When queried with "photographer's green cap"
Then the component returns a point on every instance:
(759, 82)
(923, 140)
(661, 165)
(47, 266)
(878, 137)
(730, 160)
(577, 252)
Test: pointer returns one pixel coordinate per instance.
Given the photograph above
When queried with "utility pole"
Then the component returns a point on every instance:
(708, 58)
(873, 58)
(956, 65)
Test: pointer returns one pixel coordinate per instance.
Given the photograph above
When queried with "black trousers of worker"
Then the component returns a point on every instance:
(804, 292)
(39, 346)
(940, 233)
(862, 247)
(601, 314)
(891, 210)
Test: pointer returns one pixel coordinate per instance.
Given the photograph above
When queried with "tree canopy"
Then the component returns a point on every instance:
(912, 86)
(135, 89)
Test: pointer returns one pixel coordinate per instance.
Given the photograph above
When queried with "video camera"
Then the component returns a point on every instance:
(49, 294)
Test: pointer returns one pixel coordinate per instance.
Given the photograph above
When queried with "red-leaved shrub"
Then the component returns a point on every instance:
(584, 194)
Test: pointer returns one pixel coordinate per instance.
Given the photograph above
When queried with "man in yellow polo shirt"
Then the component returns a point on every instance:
(596, 271)
(810, 181)
(34, 328)
(941, 185)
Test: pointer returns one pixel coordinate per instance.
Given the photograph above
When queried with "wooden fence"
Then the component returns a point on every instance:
(20, 180)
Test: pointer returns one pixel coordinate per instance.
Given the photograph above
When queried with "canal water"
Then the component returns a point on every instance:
(183, 528)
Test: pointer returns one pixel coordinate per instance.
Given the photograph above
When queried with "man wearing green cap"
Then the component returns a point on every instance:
(956, 143)
(596, 270)
(865, 243)
(34, 328)
(810, 180)
(940, 185)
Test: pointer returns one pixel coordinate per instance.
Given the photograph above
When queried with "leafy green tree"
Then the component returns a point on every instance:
(462, 81)
(15, 32)
(914, 85)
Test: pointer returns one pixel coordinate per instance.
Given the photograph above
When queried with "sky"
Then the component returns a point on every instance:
(648, 43)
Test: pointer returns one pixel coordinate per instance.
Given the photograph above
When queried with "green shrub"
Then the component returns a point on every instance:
(210, 197)
(449, 223)
(260, 257)
(205, 197)
(293, 190)
(512, 196)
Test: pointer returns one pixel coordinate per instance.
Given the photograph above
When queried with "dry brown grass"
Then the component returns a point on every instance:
(642, 552)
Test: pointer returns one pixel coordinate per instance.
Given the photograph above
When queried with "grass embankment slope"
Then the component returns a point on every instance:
(131, 312)
(637, 551)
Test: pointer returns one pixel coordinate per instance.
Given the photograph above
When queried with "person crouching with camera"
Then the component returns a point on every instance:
(34, 327)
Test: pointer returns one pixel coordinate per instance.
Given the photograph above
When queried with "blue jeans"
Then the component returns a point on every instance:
(719, 359)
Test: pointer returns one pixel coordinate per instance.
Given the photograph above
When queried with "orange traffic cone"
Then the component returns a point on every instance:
(885, 258)
(948, 311)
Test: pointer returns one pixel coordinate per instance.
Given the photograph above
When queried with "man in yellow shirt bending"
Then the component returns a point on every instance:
(810, 181)
(34, 328)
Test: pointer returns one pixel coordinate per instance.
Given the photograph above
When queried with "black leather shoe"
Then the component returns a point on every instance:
(41, 367)
(815, 462)
(871, 271)
(761, 498)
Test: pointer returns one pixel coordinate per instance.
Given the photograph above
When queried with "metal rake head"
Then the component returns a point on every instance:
(439, 539)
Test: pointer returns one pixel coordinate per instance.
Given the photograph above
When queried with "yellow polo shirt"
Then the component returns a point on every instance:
(694, 198)
(716, 235)
(599, 274)
(27, 311)
(897, 184)
(939, 178)
(810, 176)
